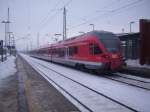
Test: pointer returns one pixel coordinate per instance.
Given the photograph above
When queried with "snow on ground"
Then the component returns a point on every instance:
(128, 95)
(7, 67)
(135, 63)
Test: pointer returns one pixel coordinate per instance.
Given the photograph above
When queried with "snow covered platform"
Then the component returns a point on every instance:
(7, 68)
(8, 86)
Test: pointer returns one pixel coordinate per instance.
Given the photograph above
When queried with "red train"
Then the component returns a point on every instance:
(95, 50)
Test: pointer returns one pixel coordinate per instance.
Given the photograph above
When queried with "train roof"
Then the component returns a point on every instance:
(77, 38)
(91, 33)
(95, 32)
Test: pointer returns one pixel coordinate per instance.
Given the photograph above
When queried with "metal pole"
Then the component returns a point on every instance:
(10, 42)
(1, 49)
(5, 34)
(92, 26)
(38, 39)
(2, 52)
(64, 24)
(8, 29)
(130, 25)
(122, 30)
(5, 22)
(9, 47)
(30, 45)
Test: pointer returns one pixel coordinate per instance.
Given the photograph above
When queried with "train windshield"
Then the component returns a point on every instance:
(111, 42)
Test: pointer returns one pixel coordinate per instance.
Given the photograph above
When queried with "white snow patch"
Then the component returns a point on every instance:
(135, 63)
(7, 67)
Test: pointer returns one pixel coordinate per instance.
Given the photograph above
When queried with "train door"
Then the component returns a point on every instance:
(50, 53)
(66, 52)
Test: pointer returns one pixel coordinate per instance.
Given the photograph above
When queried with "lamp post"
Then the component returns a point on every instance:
(132, 22)
(5, 22)
(38, 40)
(9, 42)
(122, 30)
(92, 26)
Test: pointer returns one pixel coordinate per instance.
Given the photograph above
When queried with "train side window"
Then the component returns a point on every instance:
(91, 49)
(61, 52)
(73, 50)
(94, 49)
(70, 51)
(97, 50)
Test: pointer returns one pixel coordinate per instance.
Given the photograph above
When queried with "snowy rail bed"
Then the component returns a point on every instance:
(134, 98)
(139, 82)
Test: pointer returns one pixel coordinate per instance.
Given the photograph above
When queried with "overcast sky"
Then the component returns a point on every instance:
(28, 17)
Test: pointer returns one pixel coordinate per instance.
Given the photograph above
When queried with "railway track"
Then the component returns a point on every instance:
(132, 81)
(97, 94)
(130, 76)
(126, 92)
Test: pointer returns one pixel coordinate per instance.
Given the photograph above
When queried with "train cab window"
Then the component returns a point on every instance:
(94, 49)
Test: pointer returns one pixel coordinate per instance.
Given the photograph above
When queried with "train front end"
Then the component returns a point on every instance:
(112, 50)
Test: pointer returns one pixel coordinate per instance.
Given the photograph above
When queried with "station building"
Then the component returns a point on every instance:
(131, 44)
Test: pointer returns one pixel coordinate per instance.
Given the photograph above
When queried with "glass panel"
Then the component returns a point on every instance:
(110, 41)
(94, 49)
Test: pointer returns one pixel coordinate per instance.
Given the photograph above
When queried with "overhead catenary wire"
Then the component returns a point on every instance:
(66, 4)
(48, 20)
(104, 7)
(55, 14)
(28, 3)
(50, 11)
(106, 14)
